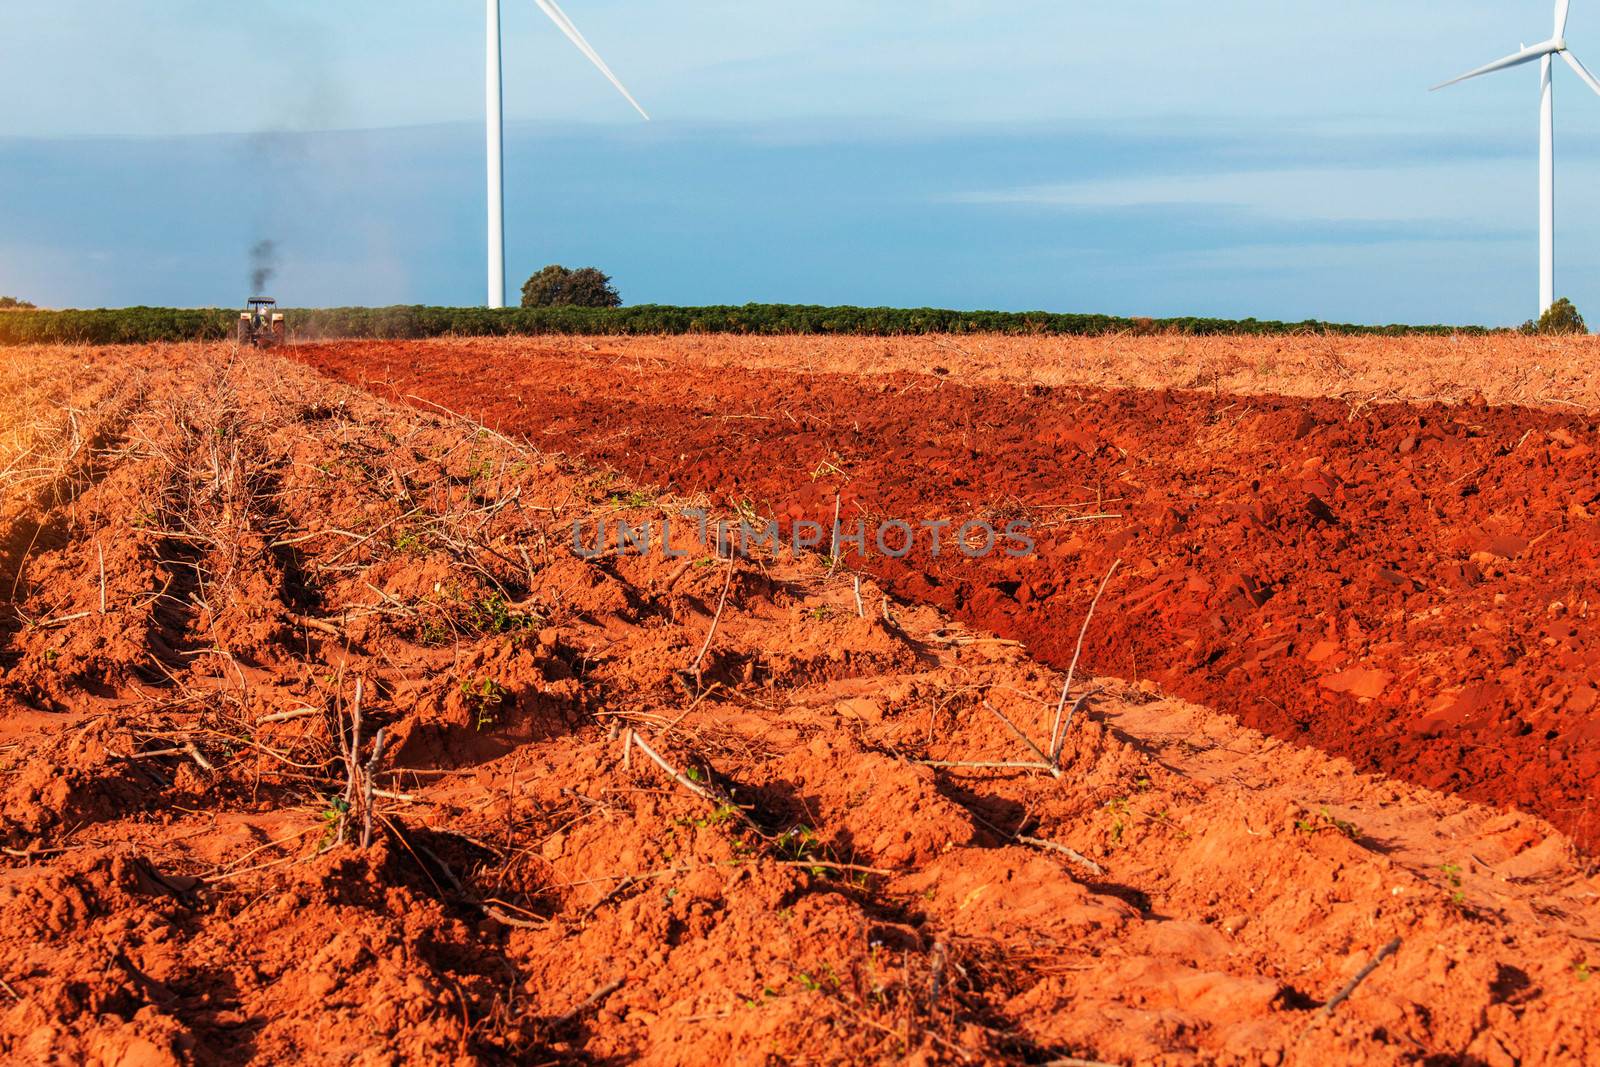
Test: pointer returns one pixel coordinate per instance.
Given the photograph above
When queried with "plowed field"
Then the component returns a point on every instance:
(320, 743)
(1406, 584)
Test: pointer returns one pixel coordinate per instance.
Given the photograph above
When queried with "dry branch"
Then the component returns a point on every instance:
(722, 602)
(1072, 854)
(1350, 987)
(285, 716)
(682, 779)
(367, 791)
(591, 1001)
(193, 752)
(833, 548)
(1056, 732)
(1035, 749)
(157, 753)
(352, 750)
(1067, 725)
(317, 624)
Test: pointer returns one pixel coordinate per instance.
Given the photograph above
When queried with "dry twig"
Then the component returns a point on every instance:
(367, 791)
(591, 1001)
(1350, 987)
(1044, 761)
(682, 779)
(1072, 854)
(722, 602)
(1056, 732)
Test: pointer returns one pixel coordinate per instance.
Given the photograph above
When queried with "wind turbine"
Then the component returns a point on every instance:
(494, 121)
(1545, 52)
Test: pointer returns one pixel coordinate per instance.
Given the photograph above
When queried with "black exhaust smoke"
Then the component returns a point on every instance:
(263, 265)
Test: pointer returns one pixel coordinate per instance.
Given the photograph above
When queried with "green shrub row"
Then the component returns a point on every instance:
(144, 324)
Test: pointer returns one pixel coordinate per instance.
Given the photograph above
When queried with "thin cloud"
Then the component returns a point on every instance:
(1400, 194)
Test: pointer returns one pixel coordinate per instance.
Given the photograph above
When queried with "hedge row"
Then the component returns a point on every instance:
(143, 324)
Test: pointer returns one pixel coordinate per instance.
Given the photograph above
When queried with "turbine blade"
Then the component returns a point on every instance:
(1527, 55)
(1583, 71)
(1563, 9)
(559, 17)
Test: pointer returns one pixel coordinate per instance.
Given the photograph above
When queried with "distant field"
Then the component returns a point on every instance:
(1500, 368)
(142, 325)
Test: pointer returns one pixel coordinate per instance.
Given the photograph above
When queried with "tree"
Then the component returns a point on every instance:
(11, 303)
(1562, 317)
(557, 286)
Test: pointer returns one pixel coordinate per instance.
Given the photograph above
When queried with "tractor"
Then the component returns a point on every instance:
(261, 326)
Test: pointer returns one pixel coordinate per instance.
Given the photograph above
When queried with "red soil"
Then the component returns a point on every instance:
(210, 559)
(1408, 585)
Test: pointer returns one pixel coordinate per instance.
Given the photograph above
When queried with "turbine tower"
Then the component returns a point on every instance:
(494, 123)
(1545, 52)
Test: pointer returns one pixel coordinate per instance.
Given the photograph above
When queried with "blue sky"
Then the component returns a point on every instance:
(1232, 158)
